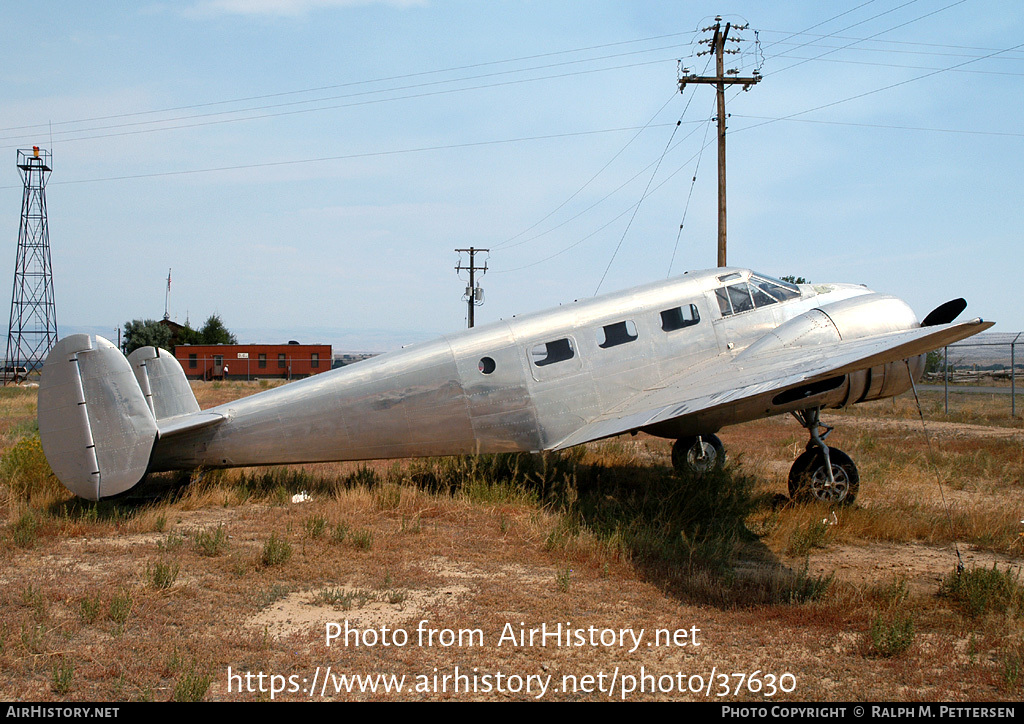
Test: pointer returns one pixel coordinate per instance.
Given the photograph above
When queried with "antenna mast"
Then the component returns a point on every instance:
(720, 79)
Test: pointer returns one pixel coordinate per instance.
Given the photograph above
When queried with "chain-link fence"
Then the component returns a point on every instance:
(989, 363)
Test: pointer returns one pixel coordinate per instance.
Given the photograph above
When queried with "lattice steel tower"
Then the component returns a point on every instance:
(33, 327)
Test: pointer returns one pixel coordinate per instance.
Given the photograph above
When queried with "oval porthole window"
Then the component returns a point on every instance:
(486, 365)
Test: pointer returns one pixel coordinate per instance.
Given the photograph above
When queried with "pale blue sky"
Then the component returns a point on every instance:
(357, 144)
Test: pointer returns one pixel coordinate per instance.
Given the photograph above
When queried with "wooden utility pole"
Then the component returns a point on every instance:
(474, 294)
(720, 80)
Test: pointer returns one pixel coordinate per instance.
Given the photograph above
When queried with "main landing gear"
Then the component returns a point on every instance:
(822, 473)
(698, 455)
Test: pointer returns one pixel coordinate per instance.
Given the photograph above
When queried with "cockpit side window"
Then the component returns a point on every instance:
(739, 295)
(723, 301)
(760, 296)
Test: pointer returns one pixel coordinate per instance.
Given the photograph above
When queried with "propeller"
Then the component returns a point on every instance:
(945, 313)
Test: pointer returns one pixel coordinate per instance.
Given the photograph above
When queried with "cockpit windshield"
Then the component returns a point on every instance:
(759, 291)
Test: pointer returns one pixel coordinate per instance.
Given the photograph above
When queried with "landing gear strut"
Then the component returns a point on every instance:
(821, 473)
(698, 455)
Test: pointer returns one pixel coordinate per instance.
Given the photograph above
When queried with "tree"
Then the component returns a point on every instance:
(794, 280)
(213, 331)
(148, 333)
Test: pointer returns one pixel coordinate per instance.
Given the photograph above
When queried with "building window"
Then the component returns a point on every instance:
(280, 361)
(218, 360)
(193, 362)
(315, 361)
(263, 362)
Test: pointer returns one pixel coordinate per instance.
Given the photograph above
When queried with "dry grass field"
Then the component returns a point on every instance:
(719, 589)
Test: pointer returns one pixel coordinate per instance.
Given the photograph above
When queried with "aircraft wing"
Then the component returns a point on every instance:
(715, 383)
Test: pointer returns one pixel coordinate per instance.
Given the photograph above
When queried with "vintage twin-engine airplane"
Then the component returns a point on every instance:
(678, 359)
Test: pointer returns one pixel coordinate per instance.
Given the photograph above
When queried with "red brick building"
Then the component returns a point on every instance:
(252, 361)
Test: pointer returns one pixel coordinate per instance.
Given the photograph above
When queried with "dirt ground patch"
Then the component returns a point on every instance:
(125, 603)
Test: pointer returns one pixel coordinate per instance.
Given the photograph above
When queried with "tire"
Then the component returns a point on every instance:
(808, 478)
(698, 455)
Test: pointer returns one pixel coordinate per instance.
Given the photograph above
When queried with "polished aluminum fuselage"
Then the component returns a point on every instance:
(443, 397)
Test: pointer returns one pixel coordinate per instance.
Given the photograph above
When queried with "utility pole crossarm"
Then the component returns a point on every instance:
(474, 294)
(746, 81)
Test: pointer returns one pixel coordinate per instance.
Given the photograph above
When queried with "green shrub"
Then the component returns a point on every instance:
(978, 591)
(24, 470)
(162, 574)
(212, 542)
(893, 634)
(276, 551)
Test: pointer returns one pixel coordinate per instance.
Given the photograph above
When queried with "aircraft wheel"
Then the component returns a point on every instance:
(698, 455)
(808, 478)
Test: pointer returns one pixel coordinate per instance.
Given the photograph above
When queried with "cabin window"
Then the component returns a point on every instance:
(218, 360)
(314, 362)
(486, 365)
(193, 361)
(612, 335)
(679, 317)
(280, 361)
(551, 352)
(263, 361)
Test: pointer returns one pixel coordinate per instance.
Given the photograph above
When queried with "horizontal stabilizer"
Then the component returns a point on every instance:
(95, 426)
(178, 425)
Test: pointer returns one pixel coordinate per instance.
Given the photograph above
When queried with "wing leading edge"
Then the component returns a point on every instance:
(715, 383)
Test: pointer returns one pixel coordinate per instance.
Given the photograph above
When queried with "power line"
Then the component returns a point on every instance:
(870, 37)
(910, 67)
(507, 243)
(614, 219)
(636, 209)
(352, 95)
(367, 102)
(607, 196)
(882, 125)
(344, 157)
(879, 90)
(887, 42)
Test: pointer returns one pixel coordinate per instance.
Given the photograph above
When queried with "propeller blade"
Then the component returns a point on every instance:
(945, 313)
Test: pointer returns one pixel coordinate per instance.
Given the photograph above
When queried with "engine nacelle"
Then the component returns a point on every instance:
(853, 318)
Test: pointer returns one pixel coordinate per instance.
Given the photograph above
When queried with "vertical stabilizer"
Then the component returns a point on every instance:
(95, 426)
(163, 383)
